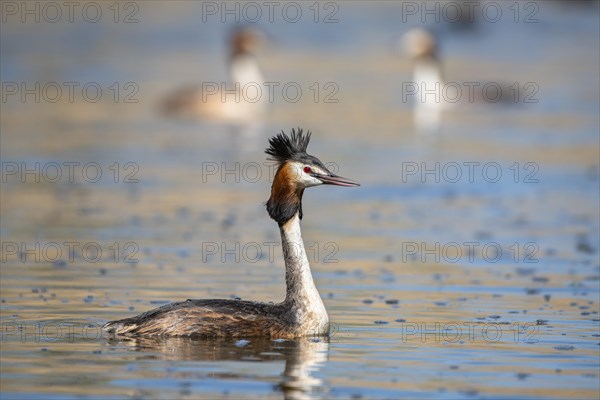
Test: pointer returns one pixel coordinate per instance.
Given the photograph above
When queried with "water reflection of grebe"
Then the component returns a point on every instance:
(303, 358)
(241, 102)
(302, 313)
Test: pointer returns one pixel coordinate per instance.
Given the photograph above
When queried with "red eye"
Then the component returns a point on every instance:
(307, 170)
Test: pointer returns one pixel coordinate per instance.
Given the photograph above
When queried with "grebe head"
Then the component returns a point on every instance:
(245, 41)
(419, 43)
(297, 170)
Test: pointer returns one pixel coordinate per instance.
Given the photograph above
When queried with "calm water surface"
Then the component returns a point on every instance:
(465, 266)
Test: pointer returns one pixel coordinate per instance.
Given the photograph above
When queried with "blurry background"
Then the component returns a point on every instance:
(110, 208)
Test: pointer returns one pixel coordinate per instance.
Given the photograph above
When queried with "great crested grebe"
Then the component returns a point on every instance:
(243, 98)
(302, 313)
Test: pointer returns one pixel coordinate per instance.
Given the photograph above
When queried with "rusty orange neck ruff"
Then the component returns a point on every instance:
(286, 196)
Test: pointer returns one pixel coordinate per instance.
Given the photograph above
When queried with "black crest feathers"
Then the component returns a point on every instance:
(284, 148)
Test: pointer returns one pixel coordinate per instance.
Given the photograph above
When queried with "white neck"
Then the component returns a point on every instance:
(245, 70)
(428, 72)
(429, 102)
(302, 295)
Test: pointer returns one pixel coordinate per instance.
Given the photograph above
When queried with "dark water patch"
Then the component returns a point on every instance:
(564, 348)
(159, 302)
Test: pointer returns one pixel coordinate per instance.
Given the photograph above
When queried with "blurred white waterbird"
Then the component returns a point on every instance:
(432, 94)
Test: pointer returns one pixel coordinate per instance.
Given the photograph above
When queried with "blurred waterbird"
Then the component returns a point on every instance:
(421, 46)
(241, 100)
(302, 313)
(433, 95)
